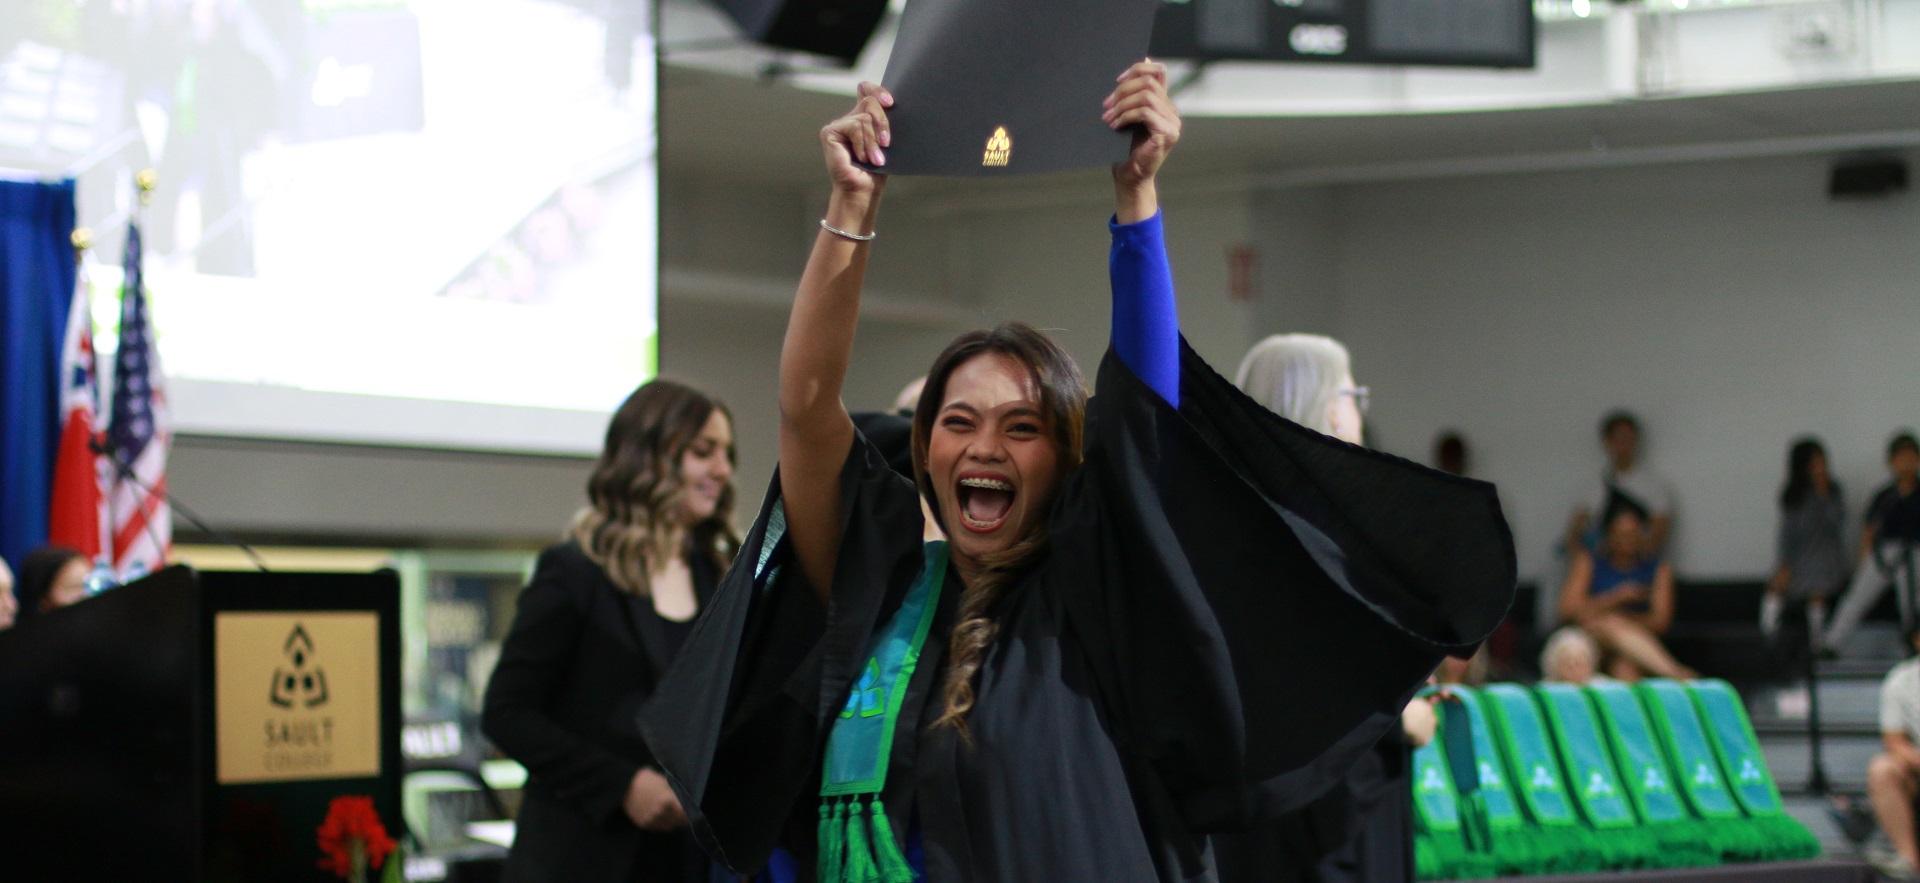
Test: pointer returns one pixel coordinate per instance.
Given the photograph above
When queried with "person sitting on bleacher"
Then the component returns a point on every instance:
(1810, 552)
(1893, 776)
(1570, 657)
(1888, 545)
(1622, 594)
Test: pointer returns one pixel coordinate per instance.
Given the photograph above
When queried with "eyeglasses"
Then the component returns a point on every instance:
(1362, 397)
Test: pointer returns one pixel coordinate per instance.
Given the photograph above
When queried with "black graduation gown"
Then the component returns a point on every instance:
(1232, 609)
(581, 659)
(1360, 831)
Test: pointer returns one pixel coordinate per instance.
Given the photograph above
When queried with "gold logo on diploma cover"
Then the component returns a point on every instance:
(999, 148)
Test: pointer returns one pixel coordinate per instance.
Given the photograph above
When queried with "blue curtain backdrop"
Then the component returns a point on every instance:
(36, 287)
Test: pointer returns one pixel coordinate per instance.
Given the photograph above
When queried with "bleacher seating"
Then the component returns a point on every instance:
(1583, 779)
(1716, 631)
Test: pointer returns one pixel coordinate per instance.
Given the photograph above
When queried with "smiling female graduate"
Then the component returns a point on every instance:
(1161, 612)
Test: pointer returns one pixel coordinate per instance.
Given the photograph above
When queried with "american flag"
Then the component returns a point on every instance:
(138, 435)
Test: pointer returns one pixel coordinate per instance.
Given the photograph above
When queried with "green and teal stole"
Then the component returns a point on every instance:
(1562, 842)
(856, 839)
(1745, 769)
(1708, 774)
(1519, 847)
(1593, 779)
(1682, 839)
(1452, 837)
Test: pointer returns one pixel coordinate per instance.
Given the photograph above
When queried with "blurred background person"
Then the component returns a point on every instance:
(51, 577)
(1362, 829)
(604, 614)
(1570, 657)
(1893, 776)
(1450, 453)
(1810, 554)
(1887, 544)
(1625, 475)
(1622, 595)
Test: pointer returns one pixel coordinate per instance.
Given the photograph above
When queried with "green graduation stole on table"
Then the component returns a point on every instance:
(856, 839)
(1596, 786)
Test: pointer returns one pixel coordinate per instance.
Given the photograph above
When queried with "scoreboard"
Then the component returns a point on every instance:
(1466, 33)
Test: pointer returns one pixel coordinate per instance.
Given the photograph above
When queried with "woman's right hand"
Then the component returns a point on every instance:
(862, 134)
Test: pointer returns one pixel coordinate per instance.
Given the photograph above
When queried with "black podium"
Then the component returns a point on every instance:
(196, 726)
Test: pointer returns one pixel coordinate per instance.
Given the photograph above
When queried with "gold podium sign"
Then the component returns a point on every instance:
(296, 695)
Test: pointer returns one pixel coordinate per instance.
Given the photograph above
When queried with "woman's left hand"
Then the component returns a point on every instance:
(1141, 100)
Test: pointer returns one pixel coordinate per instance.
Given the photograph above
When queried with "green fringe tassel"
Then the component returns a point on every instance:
(1531, 850)
(860, 867)
(1787, 838)
(1426, 865)
(893, 862)
(1736, 840)
(1575, 849)
(1476, 827)
(1680, 845)
(1444, 856)
(833, 836)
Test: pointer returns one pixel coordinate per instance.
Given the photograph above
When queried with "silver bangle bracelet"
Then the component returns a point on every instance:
(846, 235)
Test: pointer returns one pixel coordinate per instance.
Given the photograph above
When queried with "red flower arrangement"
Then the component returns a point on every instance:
(352, 838)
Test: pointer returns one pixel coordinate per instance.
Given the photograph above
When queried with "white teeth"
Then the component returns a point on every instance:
(992, 484)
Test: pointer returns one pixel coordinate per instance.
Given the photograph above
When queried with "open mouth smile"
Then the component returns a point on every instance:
(985, 501)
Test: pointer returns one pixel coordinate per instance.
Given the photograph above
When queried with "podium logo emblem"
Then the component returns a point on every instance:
(300, 680)
(999, 148)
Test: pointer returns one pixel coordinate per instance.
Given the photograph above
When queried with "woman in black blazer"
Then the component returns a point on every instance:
(604, 614)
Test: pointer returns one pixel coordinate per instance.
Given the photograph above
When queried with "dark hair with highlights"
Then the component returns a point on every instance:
(636, 489)
(1063, 399)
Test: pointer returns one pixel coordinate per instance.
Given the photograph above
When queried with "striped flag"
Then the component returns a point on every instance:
(139, 435)
(78, 516)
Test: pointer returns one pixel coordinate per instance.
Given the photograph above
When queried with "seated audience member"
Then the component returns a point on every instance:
(1810, 556)
(1450, 453)
(1893, 776)
(51, 577)
(1888, 545)
(8, 606)
(1570, 657)
(1622, 595)
(1624, 475)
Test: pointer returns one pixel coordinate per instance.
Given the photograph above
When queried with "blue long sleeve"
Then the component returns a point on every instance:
(1146, 323)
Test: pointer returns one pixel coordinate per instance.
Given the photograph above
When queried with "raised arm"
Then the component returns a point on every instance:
(815, 431)
(1146, 323)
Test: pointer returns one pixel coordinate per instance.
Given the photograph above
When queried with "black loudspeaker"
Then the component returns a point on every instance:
(1867, 178)
(834, 28)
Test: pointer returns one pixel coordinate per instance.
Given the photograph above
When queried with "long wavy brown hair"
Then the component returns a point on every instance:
(636, 490)
(1063, 398)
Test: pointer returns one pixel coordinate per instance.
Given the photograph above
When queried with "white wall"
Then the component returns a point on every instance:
(1731, 305)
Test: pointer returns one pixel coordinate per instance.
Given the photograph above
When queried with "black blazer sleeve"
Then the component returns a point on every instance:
(534, 663)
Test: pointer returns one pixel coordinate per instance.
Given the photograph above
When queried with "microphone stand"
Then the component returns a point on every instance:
(126, 472)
